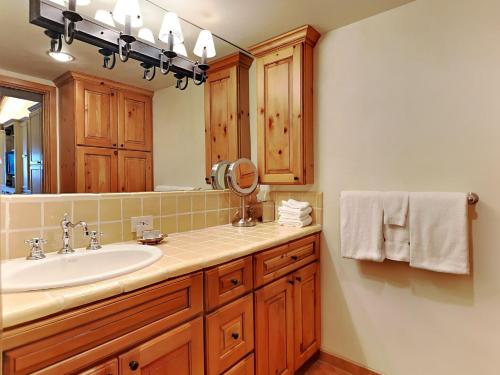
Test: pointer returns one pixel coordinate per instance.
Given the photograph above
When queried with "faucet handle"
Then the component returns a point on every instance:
(94, 240)
(36, 251)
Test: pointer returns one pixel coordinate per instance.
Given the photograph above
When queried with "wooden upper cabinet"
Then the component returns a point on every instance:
(227, 118)
(135, 130)
(97, 171)
(98, 116)
(135, 169)
(179, 351)
(95, 114)
(285, 107)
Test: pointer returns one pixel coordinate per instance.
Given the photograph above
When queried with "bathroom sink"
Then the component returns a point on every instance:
(81, 267)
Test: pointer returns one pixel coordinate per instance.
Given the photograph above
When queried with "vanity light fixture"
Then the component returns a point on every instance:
(67, 24)
(61, 56)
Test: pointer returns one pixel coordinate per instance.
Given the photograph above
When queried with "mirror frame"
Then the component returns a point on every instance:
(49, 130)
(231, 178)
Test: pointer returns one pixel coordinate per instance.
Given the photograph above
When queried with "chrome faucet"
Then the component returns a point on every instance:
(66, 224)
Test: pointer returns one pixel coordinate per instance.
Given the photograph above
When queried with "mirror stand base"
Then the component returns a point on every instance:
(245, 223)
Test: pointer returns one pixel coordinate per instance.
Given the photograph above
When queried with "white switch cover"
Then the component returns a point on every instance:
(141, 223)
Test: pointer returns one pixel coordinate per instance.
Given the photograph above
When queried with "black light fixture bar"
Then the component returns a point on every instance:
(48, 16)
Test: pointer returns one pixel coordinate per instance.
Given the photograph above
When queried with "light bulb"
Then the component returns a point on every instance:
(172, 24)
(105, 17)
(205, 41)
(61, 56)
(124, 8)
(146, 34)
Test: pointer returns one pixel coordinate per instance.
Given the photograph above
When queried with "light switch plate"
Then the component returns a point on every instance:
(141, 223)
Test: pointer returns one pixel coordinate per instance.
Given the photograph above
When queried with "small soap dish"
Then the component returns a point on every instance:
(152, 240)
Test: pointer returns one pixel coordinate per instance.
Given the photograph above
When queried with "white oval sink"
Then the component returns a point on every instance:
(81, 267)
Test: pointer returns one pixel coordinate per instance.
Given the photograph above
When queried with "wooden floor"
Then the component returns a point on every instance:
(322, 368)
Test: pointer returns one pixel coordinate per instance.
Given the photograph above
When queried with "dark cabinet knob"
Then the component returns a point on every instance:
(235, 335)
(294, 257)
(296, 178)
(298, 278)
(133, 365)
(121, 145)
(291, 282)
(234, 282)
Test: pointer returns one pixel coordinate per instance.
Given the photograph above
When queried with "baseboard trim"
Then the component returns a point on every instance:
(345, 364)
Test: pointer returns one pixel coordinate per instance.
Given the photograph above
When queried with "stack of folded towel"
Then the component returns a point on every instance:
(293, 213)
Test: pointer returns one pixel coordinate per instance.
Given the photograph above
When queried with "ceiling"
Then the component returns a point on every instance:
(244, 23)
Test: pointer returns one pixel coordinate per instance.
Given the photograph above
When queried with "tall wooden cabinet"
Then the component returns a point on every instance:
(227, 117)
(285, 107)
(105, 135)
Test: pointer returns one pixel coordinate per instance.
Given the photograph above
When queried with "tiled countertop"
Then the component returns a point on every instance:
(183, 253)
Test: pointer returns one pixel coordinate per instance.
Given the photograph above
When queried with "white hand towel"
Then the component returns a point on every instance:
(292, 203)
(395, 207)
(294, 211)
(397, 243)
(438, 232)
(361, 219)
(299, 223)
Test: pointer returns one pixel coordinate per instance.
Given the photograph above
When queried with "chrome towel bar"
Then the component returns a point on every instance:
(472, 198)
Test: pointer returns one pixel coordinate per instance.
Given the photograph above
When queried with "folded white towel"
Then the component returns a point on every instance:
(438, 232)
(361, 218)
(395, 207)
(397, 243)
(292, 203)
(295, 212)
(299, 223)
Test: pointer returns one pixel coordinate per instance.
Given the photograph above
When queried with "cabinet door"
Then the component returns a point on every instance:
(96, 170)
(134, 121)
(134, 171)
(95, 115)
(280, 133)
(307, 310)
(274, 328)
(243, 367)
(178, 352)
(221, 128)
(108, 368)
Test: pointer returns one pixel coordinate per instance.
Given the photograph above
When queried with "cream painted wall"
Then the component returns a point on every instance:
(409, 99)
(179, 137)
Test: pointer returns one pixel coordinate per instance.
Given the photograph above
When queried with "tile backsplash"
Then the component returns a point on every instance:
(25, 217)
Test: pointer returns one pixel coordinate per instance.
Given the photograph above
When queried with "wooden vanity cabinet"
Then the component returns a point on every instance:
(99, 117)
(108, 368)
(285, 107)
(227, 117)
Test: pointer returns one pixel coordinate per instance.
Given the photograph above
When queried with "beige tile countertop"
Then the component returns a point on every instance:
(183, 253)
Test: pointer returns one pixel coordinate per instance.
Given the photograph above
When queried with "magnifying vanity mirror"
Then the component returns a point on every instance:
(242, 179)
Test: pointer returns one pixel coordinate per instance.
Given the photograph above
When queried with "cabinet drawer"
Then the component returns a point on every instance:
(244, 367)
(229, 335)
(108, 368)
(102, 328)
(228, 282)
(274, 263)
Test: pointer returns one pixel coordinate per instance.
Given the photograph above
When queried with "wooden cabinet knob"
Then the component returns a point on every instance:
(133, 365)
(234, 281)
(235, 335)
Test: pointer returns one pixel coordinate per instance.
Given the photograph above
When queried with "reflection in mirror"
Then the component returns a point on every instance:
(121, 126)
(242, 179)
(218, 176)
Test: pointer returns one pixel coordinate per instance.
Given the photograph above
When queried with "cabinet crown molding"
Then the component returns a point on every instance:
(236, 59)
(77, 76)
(304, 34)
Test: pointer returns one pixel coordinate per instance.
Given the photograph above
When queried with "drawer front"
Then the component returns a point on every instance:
(229, 335)
(272, 264)
(165, 305)
(107, 368)
(244, 367)
(228, 282)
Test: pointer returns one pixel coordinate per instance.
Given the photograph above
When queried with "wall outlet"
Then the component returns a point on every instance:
(140, 224)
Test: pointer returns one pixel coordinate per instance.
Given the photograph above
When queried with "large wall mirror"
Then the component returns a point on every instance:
(69, 123)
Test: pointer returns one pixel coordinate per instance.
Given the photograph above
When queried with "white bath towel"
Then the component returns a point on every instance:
(397, 242)
(292, 203)
(361, 219)
(395, 207)
(438, 232)
(299, 223)
(294, 212)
